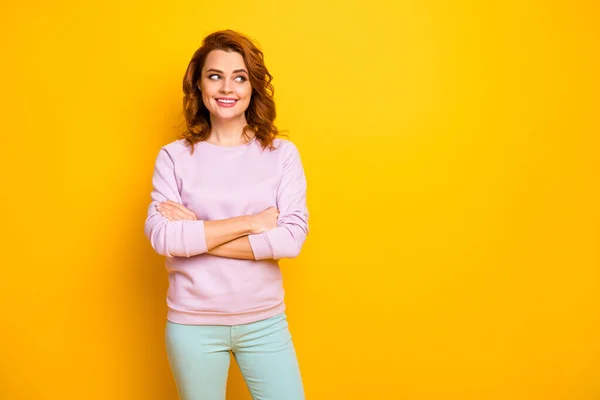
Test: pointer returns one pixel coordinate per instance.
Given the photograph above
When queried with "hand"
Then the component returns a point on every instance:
(174, 211)
(264, 220)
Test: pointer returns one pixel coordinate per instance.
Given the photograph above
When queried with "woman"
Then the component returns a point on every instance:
(228, 201)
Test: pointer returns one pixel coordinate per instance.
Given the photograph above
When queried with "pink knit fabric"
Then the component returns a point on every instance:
(219, 182)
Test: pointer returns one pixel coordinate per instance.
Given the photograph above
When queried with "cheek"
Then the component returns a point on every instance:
(247, 101)
(246, 92)
(206, 99)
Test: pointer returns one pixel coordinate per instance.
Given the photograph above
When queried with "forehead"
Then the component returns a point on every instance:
(224, 61)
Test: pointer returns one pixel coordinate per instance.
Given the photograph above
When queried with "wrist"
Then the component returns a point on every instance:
(249, 226)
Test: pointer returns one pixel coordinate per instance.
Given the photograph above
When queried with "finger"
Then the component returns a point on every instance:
(182, 208)
(175, 213)
(172, 213)
(170, 216)
(165, 210)
(185, 211)
(162, 208)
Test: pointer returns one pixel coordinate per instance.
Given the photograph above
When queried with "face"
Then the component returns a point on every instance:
(225, 85)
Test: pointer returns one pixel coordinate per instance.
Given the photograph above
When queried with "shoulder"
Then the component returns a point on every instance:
(175, 148)
(288, 154)
(285, 146)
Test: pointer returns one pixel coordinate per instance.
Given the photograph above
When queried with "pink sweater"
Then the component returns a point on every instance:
(219, 182)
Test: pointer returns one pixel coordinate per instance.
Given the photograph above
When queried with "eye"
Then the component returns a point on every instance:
(243, 78)
(210, 76)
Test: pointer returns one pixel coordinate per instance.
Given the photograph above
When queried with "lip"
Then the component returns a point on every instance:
(225, 98)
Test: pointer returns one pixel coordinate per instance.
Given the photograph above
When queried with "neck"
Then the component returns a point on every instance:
(227, 132)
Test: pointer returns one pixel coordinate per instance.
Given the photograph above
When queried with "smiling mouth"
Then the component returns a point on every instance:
(226, 101)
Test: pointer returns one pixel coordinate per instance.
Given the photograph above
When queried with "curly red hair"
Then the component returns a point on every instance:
(260, 113)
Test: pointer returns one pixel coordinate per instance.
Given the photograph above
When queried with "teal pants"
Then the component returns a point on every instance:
(199, 359)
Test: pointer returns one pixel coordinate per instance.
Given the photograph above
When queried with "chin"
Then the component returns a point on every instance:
(228, 116)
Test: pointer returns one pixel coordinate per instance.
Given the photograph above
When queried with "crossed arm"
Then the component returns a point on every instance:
(173, 229)
(237, 248)
(227, 237)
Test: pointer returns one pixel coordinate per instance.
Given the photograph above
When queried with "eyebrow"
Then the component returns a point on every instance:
(217, 70)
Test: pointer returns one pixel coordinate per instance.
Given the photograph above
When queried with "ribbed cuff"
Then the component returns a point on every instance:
(261, 247)
(195, 237)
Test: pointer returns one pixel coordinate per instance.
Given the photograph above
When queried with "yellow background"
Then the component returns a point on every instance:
(451, 149)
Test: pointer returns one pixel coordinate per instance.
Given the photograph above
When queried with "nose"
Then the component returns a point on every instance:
(225, 86)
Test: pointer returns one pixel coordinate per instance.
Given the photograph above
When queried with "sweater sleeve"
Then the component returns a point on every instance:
(182, 238)
(286, 240)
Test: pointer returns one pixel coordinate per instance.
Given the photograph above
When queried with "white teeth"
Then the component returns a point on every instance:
(226, 101)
